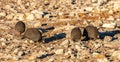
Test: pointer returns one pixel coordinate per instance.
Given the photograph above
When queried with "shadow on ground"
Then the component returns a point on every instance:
(45, 55)
(109, 33)
(55, 37)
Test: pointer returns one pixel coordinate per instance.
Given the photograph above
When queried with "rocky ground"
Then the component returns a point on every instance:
(56, 18)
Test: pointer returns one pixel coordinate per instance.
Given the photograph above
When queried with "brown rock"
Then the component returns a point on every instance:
(33, 34)
(91, 32)
(76, 34)
(20, 26)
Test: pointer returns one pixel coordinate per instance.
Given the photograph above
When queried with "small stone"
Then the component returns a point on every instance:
(78, 47)
(37, 13)
(59, 51)
(118, 23)
(66, 42)
(29, 16)
(69, 52)
(20, 16)
(21, 53)
(37, 24)
(3, 39)
(98, 56)
(16, 50)
(110, 18)
(116, 55)
(117, 36)
(114, 44)
(3, 44)
(31, 41)
(2, 14)
(110, 12)
(96, 23)
(116, 6)
(47, 16)
(94, 1)
(51, 60)
(107, 38)
(102, 60)
(10, 16)
(89, 9)
(109, 25)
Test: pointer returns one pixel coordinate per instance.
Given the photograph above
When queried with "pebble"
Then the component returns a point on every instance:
(16, 50)
(21, 53)
(65, 43)
(89, 9)
(118, 22)
(102, 60)
(29, 16)
(51, 60)
(117, 36)
(19, 16)
(59, 51)
(116, 55)
(107, 38)
(114, 44)
(68, 52)
(10, 16)
(3, 44)
(2, 14)
(111, 18)
(116, 6)
(109, 25)
(78, 47)
(3, 39)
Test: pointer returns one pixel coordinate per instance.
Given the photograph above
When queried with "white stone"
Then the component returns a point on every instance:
(107, 38)
(2, 14)
(20, 53)
(116, 6)
(47, 16)
(3, 44)
(103, 60)
(51, 60)
(111, 18)
(110, 12)
(18, 16)
(37, 24)
(114, 44)
(37, 13)
(66, 42)
(60, 13)
(16, 50)
(116, 55)
(94, 0)
(59, 51)
(109, 25)
(10, 16)
(2, 39)
(31, 41)
(29, 16)
(89, 9)
(67, 53)
(78, 47)
(118, 22)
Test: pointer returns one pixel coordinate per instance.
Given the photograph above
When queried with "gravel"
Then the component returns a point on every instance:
(62, 16)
